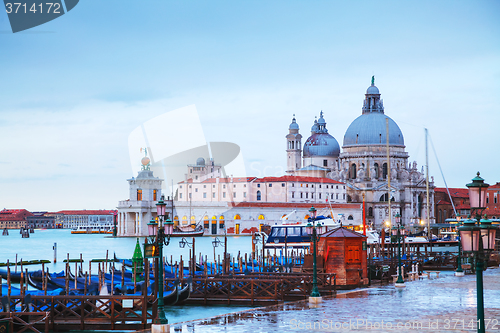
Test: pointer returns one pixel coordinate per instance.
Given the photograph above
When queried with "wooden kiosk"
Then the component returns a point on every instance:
(345, 255)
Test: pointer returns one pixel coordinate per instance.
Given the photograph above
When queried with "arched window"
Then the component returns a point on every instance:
(184, 220)
(353, 171)
(370, 211)
(221, 222)
(445, 216)
(139, 195)
(384, 170)
(176, 221)
(375, 168)
(258, 196)
(261, 217)
(237, 217)
(350, 218)
(193, 220)
(384, 197)
(206, 222)
(440, 216)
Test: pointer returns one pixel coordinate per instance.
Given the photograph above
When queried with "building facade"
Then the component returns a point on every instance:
(14, 218)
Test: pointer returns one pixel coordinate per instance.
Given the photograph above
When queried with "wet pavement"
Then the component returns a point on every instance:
(444, 304)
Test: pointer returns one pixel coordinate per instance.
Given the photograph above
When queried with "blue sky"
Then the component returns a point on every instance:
(73, 89)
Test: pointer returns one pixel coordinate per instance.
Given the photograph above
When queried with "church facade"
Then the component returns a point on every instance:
(373, 164)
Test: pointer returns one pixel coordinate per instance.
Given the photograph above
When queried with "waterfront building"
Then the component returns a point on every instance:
(14, 218)
(135, 212)
(493, 201)
(40, 220)
(444, 206)
(72, 219)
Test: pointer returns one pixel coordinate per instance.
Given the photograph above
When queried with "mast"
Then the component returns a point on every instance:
(388, 170)
(427, 186)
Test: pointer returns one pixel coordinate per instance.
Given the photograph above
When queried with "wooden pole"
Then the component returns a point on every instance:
(8, 278)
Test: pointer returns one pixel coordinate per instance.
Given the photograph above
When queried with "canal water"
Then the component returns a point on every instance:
(94, 246)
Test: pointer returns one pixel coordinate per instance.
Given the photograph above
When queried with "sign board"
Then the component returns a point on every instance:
(151, 251)
(128, 303)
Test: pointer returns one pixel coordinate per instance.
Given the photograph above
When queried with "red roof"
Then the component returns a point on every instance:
(462, 206)
(14, 215)
(87, 212)
(497, 185)
(293, 205)
(443, 202)
(297, 179)
(454, 192)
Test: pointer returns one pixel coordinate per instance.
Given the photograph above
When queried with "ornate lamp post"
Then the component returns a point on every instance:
(159, 236)
(396, 232)
(478, 237)
(459, 271)
(312, 229)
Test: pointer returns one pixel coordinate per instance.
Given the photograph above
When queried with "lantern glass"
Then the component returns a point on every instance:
(394, 231)
(169, 227)
(312, 210)
(309, 228)
(152, 227)
(161, 206)
(470, 239)
(477, 197)
(319, 228)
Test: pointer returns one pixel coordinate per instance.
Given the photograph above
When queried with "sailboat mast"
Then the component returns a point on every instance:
(427, 186)
(388, 173)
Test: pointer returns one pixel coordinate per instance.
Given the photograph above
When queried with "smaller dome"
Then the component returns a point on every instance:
(372, 90)
(294, 124)
(315, 127)
(145, 160)
(321, 120)
(200, 161)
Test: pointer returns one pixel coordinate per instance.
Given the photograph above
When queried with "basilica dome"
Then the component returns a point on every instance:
(370, 129)
(320, 143)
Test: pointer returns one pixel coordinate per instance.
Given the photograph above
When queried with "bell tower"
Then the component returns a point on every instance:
(294, 148)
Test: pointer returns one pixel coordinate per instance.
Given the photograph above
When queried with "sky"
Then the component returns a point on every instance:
(74, 89)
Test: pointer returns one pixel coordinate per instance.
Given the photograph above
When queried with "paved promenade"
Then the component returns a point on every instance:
(444, 304)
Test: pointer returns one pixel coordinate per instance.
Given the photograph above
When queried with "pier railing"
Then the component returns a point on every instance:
(79, 312)
(256, 288)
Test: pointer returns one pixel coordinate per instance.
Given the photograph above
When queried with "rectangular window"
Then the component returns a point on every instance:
(332, 196)
(190, 195)
(344, 196)
(234, 194)
(337, 187)
(223, 186)
(154, 195)
(270, 185)
(213, 186)
(244, 194)
(495, 199)
(139, 195)
(325, 163)
(258, 185)
(223, 194)
(337, 196)
(293, 195)
(312, 195)
(282, 184)
(204, 194)
(301, 196)
(204, 186)
(234, 185)
(319, 194)
(213, 195)
(196, 190)
(307, 195)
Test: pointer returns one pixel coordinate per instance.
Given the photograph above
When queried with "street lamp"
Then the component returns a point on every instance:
(396, 233)
(459, 271)
(315, 296)
(159, 236)
(478, 237)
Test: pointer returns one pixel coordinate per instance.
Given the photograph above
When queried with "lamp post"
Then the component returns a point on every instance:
(459, 271)
(159, 236)
(315, 296)
(216, 243)
(478, 237)
(396, 232)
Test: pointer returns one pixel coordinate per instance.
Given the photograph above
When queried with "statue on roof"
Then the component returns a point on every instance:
(373, 80)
